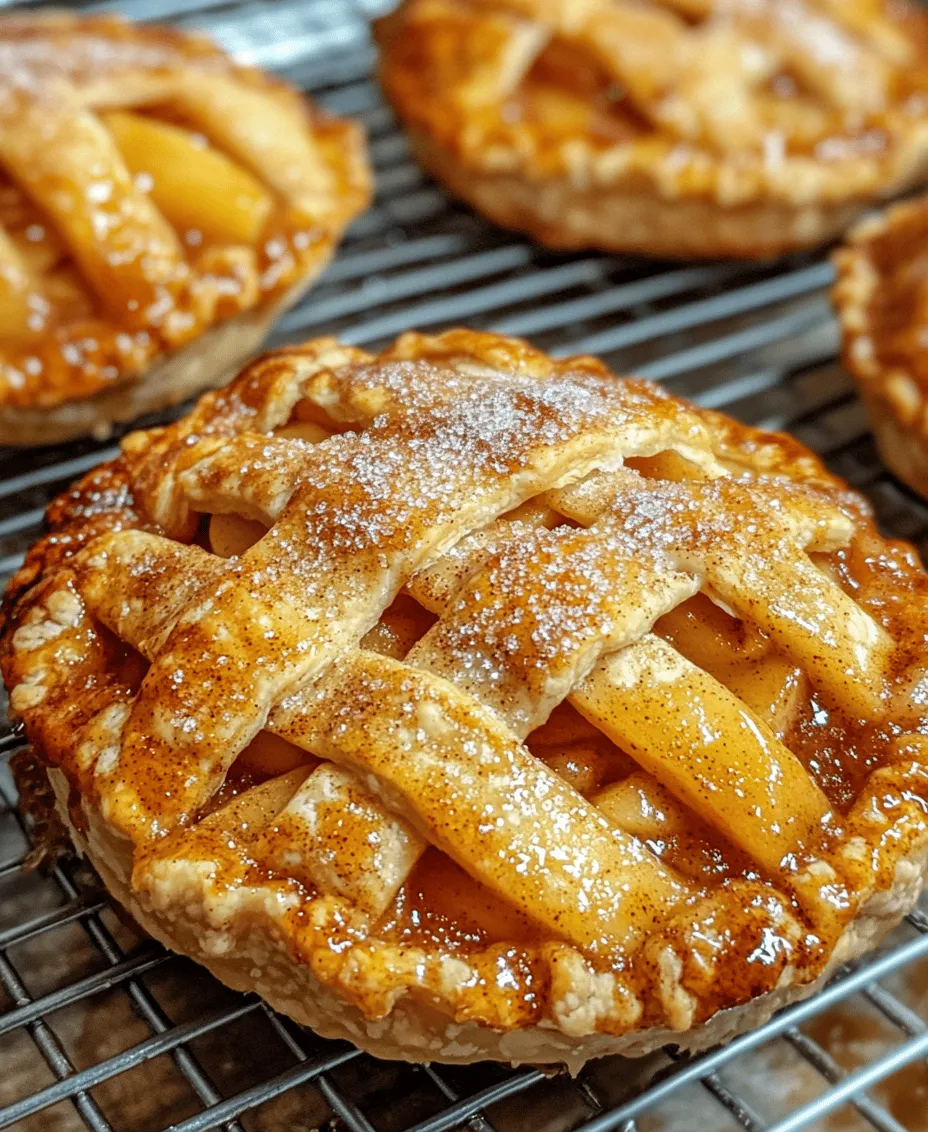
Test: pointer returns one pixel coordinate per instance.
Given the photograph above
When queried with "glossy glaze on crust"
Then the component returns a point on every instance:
(457, 695)
(671, 127)
(150, 189)
(881, 299)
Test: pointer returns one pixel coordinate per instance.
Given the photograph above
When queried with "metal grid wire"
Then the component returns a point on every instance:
(103, 1030)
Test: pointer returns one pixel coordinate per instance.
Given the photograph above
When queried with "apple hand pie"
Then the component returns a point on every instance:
(468, 704)
(159, 206)
(881, 298)
(668, 127)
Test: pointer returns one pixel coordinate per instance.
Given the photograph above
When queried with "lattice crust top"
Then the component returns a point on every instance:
(484, 677)
(149, 188)
(732, 99)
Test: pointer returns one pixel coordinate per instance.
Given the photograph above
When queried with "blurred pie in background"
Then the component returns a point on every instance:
(681, 128)
(159, 206)
(881, 297)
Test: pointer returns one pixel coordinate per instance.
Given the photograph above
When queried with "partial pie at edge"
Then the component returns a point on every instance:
(679, 128)
(881, 299)
(469, 704)
(160, 205)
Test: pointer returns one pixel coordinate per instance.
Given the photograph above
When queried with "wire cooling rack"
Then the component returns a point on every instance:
(103, 1030)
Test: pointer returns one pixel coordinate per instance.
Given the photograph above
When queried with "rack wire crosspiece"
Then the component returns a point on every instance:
(100, 1029)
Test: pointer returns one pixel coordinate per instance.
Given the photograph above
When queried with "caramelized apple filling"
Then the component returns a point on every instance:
(578, 751)
(640, 805)
(440, 904)
(268, 756)
(231, 535)
(739, 656)
(205, 195)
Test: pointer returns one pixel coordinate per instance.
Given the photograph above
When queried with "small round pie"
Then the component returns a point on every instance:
(468, 704)
(159, 207)
(881, 297)
(681, 128)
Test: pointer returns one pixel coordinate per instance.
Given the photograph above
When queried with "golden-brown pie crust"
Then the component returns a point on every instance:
(159, 206)
(612, 702)
(682, 128)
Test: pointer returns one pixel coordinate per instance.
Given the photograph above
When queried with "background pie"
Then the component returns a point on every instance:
(159, 206)
(468, 704)
(881, 297)
(670, 127)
